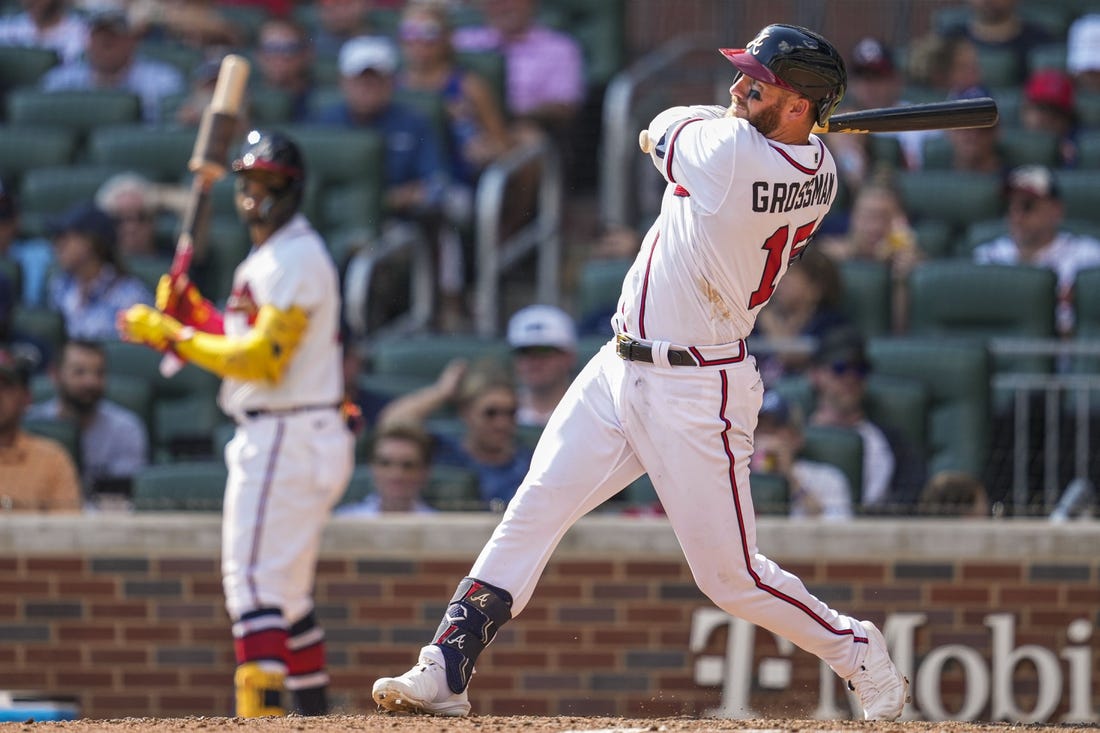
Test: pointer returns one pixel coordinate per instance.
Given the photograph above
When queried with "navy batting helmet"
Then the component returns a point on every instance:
(276, 160)
(796, 59)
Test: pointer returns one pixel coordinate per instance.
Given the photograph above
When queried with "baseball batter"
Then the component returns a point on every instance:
(676, 394)
(277, 348)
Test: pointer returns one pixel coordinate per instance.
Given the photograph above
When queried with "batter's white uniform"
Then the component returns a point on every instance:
(292, 454)
(737, 209)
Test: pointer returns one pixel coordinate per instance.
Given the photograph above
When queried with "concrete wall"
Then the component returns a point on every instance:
(125, 613)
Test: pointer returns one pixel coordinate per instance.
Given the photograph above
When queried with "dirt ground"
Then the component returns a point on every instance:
(388, 723)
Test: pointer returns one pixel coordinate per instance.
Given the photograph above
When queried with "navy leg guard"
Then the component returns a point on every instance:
(474, 616)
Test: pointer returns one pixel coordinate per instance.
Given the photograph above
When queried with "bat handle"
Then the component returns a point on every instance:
(170, 364)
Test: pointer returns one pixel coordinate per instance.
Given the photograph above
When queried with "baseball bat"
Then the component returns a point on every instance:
(951, 115)
(208, 165)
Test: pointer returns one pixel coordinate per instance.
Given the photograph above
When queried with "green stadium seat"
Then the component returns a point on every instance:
(955, 375)
(192, 486)
(49, 191)
(160, 154)
(891, 401)
(184, 410)
(1047, 56)
(65, 432)
(1008, 101)
(245, 17)
(588, 346)
(771, 495)
(1000, 67)
(453, 489)
(25, 148)
(270, 106)
(1017, 146)
(1025, 147)
(599, 28)
(425, 356)
(866, 295)
(1088, 149)
(1086, 293)
(956, 298)
(228, 245)
(950, 196)
(490, 66)
(185, 59)
(148, 268)
(41, 323)
(79, 111)
(599, 283)
(1088, 109)
(1078, 190)
(902, 404)
(935, 237)
(841, 447)
(24, 66)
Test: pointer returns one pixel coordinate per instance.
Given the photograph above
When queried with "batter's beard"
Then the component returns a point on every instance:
(766, 120)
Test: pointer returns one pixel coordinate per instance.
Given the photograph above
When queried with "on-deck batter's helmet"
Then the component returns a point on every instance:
(796, 59)
(276, 158)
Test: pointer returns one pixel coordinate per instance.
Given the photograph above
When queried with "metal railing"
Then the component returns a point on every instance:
(404, 240)
(497, 256)
(1058, 390)
(620, 146)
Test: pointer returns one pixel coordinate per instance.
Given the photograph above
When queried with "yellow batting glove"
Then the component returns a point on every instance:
(144, 325)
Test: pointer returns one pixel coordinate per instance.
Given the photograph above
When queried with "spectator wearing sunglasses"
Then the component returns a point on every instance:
(477, 132)
(893, 473)
(544, 354)
(285, 61)
(400, 464)
(1036, 236)
(485, 399)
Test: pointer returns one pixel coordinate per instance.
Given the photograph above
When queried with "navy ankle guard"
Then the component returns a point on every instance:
(474, 616)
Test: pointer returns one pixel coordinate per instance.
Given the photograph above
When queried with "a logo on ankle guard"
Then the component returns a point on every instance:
(458, 641)
(456, 613)
(481, 600)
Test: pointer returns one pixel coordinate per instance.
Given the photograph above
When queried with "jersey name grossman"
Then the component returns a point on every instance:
(776, 197)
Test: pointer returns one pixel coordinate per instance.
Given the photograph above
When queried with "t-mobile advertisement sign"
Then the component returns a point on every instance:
(1064, 676)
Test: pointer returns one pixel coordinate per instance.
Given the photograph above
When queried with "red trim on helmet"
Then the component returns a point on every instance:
(262, 164)
(748, 65)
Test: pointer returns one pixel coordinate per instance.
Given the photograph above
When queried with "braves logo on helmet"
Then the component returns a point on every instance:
(756, 43)
(798, 60)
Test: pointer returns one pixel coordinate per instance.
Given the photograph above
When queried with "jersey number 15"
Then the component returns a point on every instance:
(775, 246)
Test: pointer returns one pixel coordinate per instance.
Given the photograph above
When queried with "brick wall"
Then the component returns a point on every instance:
(131, 621)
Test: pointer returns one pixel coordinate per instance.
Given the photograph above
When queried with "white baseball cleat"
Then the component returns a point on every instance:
(882, 689)
(423, 689)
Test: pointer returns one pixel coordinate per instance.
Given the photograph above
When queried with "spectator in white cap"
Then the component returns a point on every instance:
(1035, 236)
(415, 174)
(544, 348)
(1083, 52)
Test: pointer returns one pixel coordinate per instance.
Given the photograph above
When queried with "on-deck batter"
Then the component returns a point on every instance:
(290, 459)
(675, 394)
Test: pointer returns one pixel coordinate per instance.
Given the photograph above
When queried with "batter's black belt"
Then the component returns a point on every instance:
(259, 412)
(635, 350)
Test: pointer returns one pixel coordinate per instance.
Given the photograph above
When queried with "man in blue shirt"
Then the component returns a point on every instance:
(415, 174)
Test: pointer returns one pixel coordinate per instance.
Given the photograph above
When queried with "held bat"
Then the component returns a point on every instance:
(208, 164)
(952, 115)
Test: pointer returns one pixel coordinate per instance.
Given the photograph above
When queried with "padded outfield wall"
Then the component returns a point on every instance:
(991, 620)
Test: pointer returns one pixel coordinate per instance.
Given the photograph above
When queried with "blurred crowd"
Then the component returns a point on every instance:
(447, 88)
